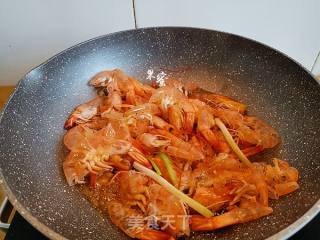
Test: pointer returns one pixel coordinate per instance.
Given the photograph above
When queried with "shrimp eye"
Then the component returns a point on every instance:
(105, 91)
(185, 191)
(283, 178)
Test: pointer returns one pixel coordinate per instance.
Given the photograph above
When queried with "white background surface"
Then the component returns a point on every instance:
(32, 31)
(292, 26)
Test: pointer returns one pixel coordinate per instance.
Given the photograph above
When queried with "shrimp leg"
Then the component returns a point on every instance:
(205, 124)
(83, 113)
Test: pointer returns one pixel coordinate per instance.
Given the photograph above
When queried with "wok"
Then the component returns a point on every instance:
(276, 88)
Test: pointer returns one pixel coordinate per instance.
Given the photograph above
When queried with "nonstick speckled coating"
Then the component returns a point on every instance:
(276, 88)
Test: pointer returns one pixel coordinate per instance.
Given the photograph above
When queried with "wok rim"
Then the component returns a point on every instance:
(51, 234)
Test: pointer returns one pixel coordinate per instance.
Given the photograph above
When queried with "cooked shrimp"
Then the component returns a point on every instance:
(102, 79)
(91, 152)
(133, 189)
(163, 203)
(133, 195)
(114, 80)
(223, 179)
(219, 101)
(96, 123)
(143, 110)
(92, 159)
(215, 201)
(118, 128)
(142, 90)
(74, 170)
(138, 156)
(113, 101)
(179, 148)
(127, 86)
(236, 215)
(201, 143)
(77, 136)
(249, 129)
(205, 126)
(83, 113)
(128, 194)
(250, 151)
(165, 97)
(195, 141)
(175, 116)
(153, 141)
(281, 178)
(257, 132)
(185, 178)
(182, 115)
(232, 119)
(160, 123)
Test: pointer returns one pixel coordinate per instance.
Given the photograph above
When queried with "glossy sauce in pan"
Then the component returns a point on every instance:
(99, 195)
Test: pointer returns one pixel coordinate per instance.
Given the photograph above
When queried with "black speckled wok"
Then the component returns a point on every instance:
(276, 89)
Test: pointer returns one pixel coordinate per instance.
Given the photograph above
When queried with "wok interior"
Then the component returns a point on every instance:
(275, 88)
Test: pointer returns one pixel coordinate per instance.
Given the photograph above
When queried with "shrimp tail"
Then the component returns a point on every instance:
(250, 151)
(154, 235)
(237, 215)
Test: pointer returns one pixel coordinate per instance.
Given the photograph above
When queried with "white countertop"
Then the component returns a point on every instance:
(34, 30)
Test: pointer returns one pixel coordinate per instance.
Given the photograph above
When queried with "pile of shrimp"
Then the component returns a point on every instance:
(130, 122)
